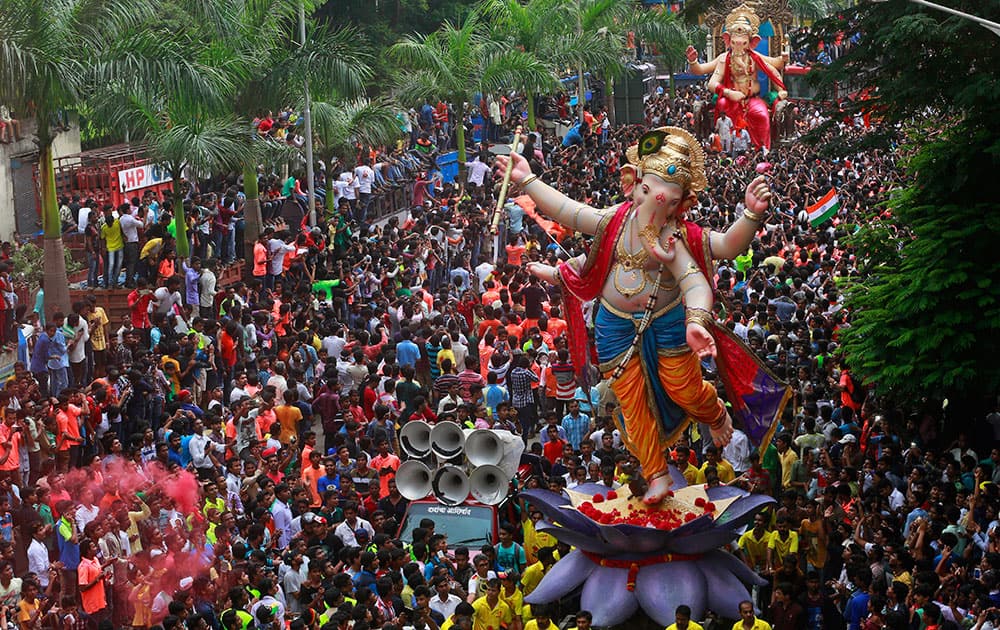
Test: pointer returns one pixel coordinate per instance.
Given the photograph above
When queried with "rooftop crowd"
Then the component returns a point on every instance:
(225, 457)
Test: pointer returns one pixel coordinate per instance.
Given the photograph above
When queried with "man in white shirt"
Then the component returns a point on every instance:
(352, 522)
(282, 514)
(166, 298)
(130, 230)
(207, 289)
(201, 447)
(364, 177)
(737, 452)
(278, 248)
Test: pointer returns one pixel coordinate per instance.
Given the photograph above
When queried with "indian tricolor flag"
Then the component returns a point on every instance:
(824, 209)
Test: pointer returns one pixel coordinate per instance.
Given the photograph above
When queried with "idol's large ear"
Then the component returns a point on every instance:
(754, 41)
(628, 178)
(725, 38)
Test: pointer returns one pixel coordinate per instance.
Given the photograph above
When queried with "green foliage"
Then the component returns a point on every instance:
(28, 261)
(924, 313)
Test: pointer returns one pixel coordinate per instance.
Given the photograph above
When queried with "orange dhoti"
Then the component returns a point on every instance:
(661, 389)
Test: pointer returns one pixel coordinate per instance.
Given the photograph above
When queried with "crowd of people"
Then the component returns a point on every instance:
(224, 457)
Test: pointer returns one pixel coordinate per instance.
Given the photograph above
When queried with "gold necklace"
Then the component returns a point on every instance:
(629, 273)
(627, 259)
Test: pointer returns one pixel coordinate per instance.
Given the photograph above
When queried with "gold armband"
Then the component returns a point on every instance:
(691, 270)
(527, 180)
(756, 218)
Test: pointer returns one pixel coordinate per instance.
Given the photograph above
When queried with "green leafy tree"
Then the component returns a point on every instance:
(272, 69)
(50, 54)
(924, 318)
(457, 61)
(541, 28)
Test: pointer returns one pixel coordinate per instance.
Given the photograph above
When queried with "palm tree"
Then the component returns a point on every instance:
(457, 61)
(50, 52)
(812, 10)
(272, 67)
(339, 126)
(537, 28)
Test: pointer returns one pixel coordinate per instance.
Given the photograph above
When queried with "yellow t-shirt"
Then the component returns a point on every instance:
(532, 576)
(533, 625)
(787, 459)
(782, 548)
(514, 601)
(692, 625)
(815, 547)
(693, 475)
(487, 618)
(97, 321)
(758, 624)
(755, 548)
(112, 235)
(724, 470)
(535, 540)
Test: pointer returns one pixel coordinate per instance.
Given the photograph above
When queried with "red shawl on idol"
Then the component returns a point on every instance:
(756, 396)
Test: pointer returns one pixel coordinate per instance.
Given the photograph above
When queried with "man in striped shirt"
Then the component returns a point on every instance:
(519, 382)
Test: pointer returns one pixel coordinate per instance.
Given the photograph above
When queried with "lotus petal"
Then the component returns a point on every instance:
(725, 590)
(677, 477)
(556, 509)
(564, 576)
(632, 539)
(702, 542)
(725, 492)
(606, 596)
(587, 542)
(724, 561)
(742, 511)
(660, 588)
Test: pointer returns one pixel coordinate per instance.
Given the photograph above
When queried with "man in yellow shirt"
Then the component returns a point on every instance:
(289, 416)
(534, 573)
(782, 542)
(682, 620)
(491, 613)
(753, 543)
(691, 473)
(542, 620)
(461, 619)
(748, 620)
(787, 457)
(723, 468)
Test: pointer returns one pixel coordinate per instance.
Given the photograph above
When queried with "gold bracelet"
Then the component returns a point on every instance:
(697, 315)
(576, 216)
(527, 180)
(756, 218)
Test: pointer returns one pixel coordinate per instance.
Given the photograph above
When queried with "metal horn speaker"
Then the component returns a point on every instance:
(415, 438)
(490, 484)
(413, 479)
(447, 440)
(450, 485)
(494, 447)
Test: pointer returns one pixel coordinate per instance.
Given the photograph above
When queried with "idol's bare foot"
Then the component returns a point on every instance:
(658, 487)
(724, 432)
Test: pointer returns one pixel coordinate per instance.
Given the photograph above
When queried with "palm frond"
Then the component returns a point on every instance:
(206, 145)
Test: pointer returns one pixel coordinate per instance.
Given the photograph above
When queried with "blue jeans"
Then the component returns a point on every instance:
(112, 268)
(93, 270)
(58, 381)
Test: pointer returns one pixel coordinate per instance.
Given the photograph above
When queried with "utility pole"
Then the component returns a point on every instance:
(307, 116)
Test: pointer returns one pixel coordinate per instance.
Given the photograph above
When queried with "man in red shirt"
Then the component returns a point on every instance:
(386, 464)
(68, 440)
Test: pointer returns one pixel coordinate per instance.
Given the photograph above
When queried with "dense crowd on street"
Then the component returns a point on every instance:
(224, 457)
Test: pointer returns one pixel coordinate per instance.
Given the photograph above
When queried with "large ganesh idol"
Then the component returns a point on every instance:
(734, 75)
(650, 272)
(630, 556)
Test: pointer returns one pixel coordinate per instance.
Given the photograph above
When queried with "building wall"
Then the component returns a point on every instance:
(24, 153)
